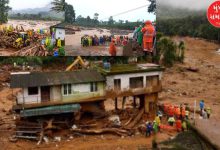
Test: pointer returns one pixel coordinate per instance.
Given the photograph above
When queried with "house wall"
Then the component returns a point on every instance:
(60, 33)
(82, 91)
(55, 93)
(23, 97)
(125, 79)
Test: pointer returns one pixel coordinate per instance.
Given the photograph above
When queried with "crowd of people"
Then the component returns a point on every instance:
(87, 40)
(176, 116)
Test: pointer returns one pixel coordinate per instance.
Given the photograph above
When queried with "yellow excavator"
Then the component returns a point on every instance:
(78, 61)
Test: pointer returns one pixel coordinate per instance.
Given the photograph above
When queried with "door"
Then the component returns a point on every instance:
(45, 94)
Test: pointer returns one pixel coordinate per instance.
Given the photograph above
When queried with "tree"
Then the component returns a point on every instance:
(4, 9)
(96, 18)
(152, 7)
(62, 6)
(110, 20)
(58, 6)
(70, 16)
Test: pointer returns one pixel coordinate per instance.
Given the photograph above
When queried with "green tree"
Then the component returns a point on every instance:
(111, 20)
(4, 9)
(70, 16)
(152, 8)
(167, 49)
(62, 6)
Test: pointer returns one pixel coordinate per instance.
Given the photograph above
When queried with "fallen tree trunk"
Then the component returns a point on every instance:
(119, 132)
(136, 119)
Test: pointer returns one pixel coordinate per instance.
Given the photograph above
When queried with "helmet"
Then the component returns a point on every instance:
(148, 22)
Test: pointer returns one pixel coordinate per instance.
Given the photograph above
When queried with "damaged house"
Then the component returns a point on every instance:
(46, 93)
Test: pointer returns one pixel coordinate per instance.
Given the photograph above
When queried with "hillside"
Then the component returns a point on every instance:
(45, 12)
(169, 12)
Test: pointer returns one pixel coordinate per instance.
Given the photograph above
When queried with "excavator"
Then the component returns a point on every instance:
(78, 61)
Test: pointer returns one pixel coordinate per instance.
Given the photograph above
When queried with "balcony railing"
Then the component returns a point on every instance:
(133, 92)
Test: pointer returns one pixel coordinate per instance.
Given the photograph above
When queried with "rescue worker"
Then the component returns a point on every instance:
(155, 127)
(183, 113)
(208, 110)
(112, 49)
(187, 114)
(148, 129)
(140, 35)
(90, 41)
(171, 121)
(179, 125)
(184, 126)
(178, 113)
(202, 106)
(148, 36)
(157, 120)
(59, 43)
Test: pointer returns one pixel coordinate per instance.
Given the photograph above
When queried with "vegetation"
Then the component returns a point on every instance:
(39, 16)
(4, 9)
(194, 26)
(62, 6)
(168, 51)
(152, 8)
(111, 23)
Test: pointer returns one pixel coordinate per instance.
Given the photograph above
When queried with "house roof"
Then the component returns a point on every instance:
(130, 68)
(34, 79)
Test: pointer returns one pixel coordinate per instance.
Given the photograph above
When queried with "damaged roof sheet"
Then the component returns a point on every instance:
(34, 79)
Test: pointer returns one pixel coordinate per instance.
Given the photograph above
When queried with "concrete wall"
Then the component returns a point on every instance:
(82, 91)
(60, 33)
(125, 79)
(23, 97)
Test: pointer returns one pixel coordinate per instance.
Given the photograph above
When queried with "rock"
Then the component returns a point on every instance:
(57, 139)
(46, 140)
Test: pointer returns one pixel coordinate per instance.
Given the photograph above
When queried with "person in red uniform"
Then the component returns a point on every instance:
(148, 36)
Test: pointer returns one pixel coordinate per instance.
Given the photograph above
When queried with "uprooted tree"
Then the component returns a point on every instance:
(4, 9)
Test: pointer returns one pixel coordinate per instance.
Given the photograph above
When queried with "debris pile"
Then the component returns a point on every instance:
(33, 50)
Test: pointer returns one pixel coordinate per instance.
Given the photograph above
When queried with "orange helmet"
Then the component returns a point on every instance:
(148, 22)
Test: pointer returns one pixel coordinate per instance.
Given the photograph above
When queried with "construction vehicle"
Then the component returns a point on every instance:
(78, 61)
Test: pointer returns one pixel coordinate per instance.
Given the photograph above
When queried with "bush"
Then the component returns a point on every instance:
(61, 51)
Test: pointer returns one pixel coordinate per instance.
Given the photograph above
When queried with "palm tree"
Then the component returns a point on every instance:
(58, 6)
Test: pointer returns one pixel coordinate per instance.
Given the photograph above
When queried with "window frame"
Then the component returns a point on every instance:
(31, 93)
(67, 89)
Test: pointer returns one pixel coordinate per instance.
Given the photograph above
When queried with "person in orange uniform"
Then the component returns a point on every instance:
(112, 49)
(148, 36)
(178, 125)
(178, 113)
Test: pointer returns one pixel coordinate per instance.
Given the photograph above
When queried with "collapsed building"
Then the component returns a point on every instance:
(46, 94)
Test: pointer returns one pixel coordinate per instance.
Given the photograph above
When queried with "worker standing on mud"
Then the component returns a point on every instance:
(59, 43)
(208, 110)
(149, 129)
(148, 37)
(112, 49)
(202, 106)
